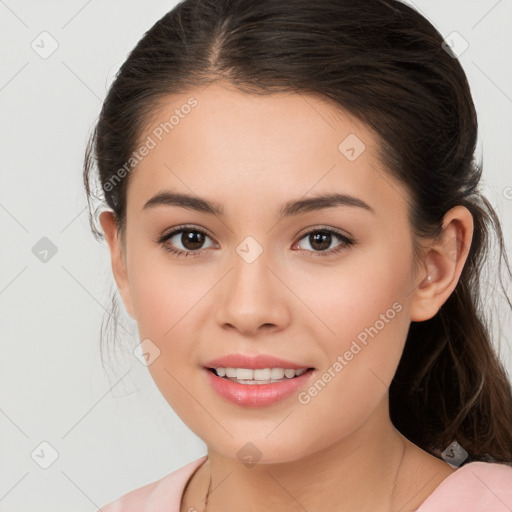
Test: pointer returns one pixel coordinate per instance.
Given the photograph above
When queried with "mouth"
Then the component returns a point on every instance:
(258, 376)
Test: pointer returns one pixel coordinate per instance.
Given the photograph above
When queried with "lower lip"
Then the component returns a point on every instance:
(256, 395)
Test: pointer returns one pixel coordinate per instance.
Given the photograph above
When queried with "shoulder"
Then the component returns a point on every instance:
(150, 497)
(475, 487)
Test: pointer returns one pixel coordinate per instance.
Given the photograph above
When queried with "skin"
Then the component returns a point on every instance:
(251, 154)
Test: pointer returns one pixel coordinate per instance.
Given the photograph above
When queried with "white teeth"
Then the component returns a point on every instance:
(277, 373)
(262, 375)
(243, 373)
(230, 372)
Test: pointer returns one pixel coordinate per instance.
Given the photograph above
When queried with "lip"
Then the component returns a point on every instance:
(258, 361)
(257, 395)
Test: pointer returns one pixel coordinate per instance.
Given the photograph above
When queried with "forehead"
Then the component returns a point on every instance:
(220, 142)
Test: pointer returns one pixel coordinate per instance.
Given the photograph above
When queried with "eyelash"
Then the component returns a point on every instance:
(346, 241)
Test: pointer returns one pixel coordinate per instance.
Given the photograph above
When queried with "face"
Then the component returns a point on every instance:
(322, 285)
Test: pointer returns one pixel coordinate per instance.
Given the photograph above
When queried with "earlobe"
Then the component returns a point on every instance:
(108, 224)
(443, 264)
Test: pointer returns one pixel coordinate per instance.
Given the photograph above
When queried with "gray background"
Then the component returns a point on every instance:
(112, 431)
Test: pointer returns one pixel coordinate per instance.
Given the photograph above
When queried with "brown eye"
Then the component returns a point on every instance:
(320, 241)
(185, 241)
(192, 239)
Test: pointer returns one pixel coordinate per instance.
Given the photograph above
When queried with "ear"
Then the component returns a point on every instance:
(119, 269)
(443, 263)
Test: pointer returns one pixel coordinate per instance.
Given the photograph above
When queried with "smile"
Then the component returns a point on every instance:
(257, 388)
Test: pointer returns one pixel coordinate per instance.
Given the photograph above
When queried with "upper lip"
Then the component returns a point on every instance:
(254, 362)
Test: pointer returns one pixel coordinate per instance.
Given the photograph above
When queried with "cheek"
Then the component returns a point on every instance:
(163, 292)
(171, 303)
(167, 298)
(362, 315)
(367, 311)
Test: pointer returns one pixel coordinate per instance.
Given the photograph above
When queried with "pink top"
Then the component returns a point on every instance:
(474, 487)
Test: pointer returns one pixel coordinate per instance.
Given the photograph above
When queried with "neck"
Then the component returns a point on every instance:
(363, 471)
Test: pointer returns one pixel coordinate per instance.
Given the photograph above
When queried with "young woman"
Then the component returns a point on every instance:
(295, 223)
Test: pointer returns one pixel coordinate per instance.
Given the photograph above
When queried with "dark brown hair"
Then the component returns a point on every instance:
(383, 62)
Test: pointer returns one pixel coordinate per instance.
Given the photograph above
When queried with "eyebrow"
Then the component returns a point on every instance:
(291, 208)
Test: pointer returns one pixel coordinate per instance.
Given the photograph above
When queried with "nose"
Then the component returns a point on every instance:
(252, 298)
